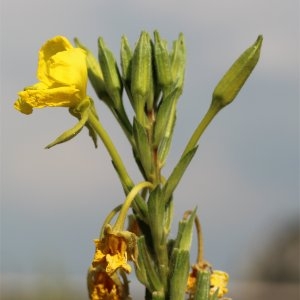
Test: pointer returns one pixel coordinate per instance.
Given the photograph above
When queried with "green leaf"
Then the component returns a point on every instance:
(166, 141)
(177, 173)
(164, 118)
(146, 270)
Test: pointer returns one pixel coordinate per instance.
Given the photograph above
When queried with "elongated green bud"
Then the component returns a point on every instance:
(94, 73)
(141, 76)
(126, 56)
(178, 61)
(111, 74)
(162, 62)
(233, 80)
(126, 65)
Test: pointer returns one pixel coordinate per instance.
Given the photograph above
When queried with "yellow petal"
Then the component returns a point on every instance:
(23, 107)
(115, 262)
(50, 48)
(67, 96)
(69, 68)
(219, 280)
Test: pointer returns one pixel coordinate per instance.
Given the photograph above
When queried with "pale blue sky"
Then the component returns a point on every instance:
(245, 176)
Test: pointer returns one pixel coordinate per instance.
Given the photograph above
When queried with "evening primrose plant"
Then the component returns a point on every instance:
(135, 236)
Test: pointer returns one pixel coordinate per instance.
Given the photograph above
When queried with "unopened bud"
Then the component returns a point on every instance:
(94, 73)
(233, 80)
(178, 61)
(162, 62)
(141, 76)
(111, 74)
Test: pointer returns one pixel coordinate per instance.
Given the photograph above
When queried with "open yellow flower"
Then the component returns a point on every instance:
(62, 75)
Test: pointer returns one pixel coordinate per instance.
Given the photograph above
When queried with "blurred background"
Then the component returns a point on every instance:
(244, 178)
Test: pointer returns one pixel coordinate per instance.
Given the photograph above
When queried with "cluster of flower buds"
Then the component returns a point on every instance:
(153, 79)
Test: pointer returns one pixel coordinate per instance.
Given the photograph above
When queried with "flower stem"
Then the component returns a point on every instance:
(211, 113)
(117, 161)
(127, 203)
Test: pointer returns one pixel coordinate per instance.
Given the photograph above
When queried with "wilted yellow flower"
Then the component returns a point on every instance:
(219, 280)
(115, 249)
(62, 75)
(105, 288)
(191, 282)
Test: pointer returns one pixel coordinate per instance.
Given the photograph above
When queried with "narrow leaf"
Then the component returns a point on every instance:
(177, 173)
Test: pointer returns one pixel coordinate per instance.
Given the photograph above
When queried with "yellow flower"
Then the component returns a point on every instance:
(105, 288)
(114, 249)
(62, 75)
(219, 280)
(191, 282)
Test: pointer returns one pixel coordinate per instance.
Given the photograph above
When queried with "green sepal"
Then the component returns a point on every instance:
(202, 285)
(71, 133)
(233, 80)
(179, 271)
(111, 75)
(177, 173)
(162, 62)
(143, 148)
(81, 112)
(92, 132)
(185, 233)
(146, 270)
(94, 73)
(141, 76)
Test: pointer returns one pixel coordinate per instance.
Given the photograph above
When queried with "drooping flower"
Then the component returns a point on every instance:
(115, 249)
(105, 287)
(62, 75)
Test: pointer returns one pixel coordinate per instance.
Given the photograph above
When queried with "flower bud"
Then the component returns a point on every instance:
(126, 56)
(111, 74)
(178, 61)
(94, 73)
(233, 80)
(141, 76)
(162, 62)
